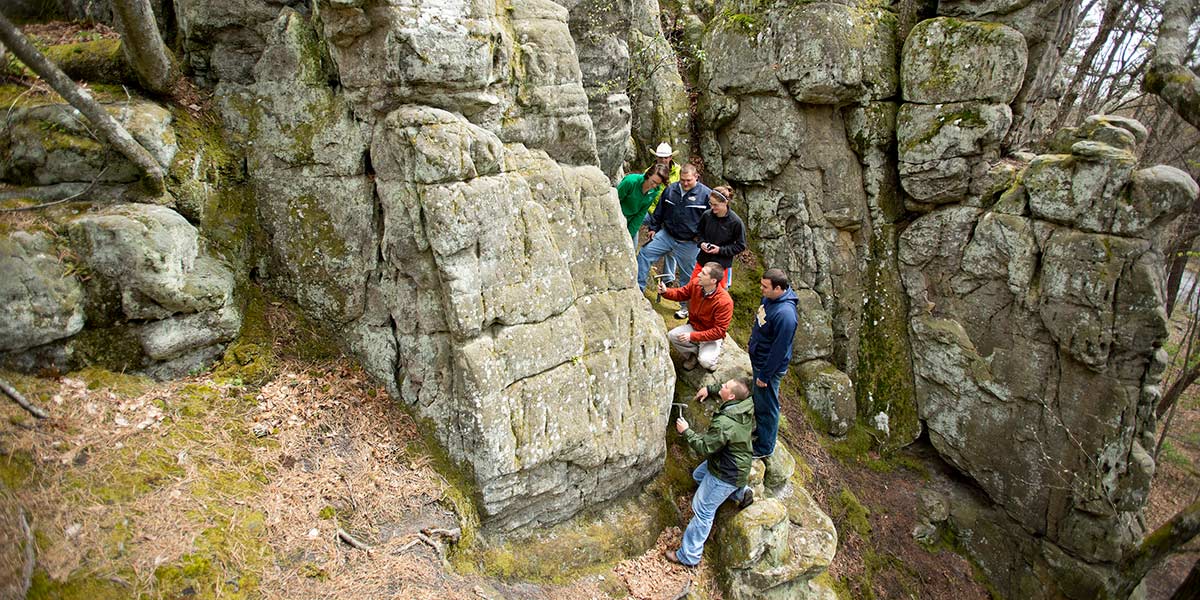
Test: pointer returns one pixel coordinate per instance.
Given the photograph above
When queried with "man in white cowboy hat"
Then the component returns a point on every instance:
(664, 155)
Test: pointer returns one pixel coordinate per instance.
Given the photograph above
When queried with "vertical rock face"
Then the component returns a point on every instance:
(1037, 304)
(601, 30)
(442, 204)
(795, 115)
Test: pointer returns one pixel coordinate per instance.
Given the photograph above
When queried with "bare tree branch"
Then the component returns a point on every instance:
(19, 399)
(108, 127)
(1168, 76)
(1179, 530)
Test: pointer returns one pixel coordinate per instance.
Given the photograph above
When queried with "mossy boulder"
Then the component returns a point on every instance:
(41, 299)
(950, 60)
(830, 394)
(153, 255)
(52, 143)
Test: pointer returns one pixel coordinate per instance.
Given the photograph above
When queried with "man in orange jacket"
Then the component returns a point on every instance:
(709, 313)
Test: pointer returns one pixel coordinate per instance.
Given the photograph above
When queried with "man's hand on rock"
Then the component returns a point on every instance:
(701, 393)
(681, 425)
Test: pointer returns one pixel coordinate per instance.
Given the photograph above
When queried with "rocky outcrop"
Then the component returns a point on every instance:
(657, 96)
(1043, 322)
(41, 301)
(820, 182)
(128, 285)
(776, 547)
(444, 207)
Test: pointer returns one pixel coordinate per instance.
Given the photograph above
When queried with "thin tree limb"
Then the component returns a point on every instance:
(353, 541)
(30, 557)
(108, 127)
(19, 399)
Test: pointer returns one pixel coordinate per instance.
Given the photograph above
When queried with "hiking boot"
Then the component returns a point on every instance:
(690, 362)
(747, 499)
(681, 313)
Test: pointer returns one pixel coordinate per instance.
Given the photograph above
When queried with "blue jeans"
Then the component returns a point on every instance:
(766, 416)
(709, 496)
(682, 252)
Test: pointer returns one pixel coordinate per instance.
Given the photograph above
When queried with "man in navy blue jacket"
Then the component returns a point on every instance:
(674, 226)
(770, 352)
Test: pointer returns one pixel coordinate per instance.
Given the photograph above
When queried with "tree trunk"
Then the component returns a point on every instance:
(1112, 9)
(1169, 76)
(106, 125)
(1190, 588)
(1176, 532)
(143, 45)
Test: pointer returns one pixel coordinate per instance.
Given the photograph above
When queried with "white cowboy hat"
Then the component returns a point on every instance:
(663, 150)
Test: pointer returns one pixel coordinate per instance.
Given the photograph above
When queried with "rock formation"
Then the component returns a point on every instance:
(432, 179)
(444, 205)
(150, 293)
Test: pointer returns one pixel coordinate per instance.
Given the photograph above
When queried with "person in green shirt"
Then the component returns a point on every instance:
(636, 192)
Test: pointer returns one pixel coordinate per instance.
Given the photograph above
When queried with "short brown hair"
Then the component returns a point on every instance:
(689, 168)
(741, 388)
(778, 278)
(714, 269)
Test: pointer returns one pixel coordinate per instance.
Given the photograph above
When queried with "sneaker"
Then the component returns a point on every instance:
(674, 558)
(690, 362)
(681, 313)
(747, 498)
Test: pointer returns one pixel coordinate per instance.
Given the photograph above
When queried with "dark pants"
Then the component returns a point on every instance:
(766, 416)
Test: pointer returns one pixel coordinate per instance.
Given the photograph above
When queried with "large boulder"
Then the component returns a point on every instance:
(818, 53)
(152, 254)
(774, 548)
(1039, 332)
(40, 299)
(950, 60)
(53, 143)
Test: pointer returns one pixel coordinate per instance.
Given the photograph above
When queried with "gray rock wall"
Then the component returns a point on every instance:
(1036, 320)
(797, 113)
(444, 207)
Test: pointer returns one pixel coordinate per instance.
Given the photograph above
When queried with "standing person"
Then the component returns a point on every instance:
(770, 352)
(674, 225)
(664, 156)
(726, 443)
(636, 193)
(700, 339)
(722, 237)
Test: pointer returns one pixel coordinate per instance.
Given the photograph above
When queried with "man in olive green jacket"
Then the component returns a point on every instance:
(726, 443)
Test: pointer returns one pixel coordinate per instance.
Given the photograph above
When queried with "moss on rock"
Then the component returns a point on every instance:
(885, 381)
(93, 61)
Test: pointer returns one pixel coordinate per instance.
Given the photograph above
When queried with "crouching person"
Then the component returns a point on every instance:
(726, 443)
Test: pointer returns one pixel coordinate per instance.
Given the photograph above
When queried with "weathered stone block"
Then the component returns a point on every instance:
(950, 60)
(40, 300)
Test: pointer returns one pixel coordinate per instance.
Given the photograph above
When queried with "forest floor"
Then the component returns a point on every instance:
(250, 481)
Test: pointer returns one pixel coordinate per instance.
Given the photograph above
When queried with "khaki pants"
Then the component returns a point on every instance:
(708, 352)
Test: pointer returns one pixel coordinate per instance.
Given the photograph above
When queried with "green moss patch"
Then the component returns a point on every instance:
(93, 61)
